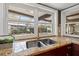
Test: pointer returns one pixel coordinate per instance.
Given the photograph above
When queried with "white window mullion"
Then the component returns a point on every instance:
(52, 24)
(36, 22)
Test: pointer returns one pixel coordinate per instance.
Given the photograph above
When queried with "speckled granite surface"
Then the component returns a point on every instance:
(19, 47)
(5, 52)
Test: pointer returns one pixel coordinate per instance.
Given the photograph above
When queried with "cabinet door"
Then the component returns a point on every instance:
(75, 48)
(69, 47)
(61, 51)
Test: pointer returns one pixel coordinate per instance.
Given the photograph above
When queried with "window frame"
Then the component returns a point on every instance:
(36, 34)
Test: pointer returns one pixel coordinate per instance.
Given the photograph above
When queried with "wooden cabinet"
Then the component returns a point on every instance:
(75, 49)
(67, 50)
(61, 51)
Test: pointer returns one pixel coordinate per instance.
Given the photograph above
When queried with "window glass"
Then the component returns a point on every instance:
(26, 18)
(19, 23)
(72, 24)
(72, 29)
(44, 23)
(13, 16)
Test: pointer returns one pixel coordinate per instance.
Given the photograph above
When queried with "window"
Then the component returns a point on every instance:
(44, 27)
(72, 24)
(72, 29)
(19, 23)
(44, 23)
(26, 23)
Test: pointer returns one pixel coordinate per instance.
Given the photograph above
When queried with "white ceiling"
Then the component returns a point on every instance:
(60, 6)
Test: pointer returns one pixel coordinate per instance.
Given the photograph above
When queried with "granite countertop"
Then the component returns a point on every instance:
(19, 47)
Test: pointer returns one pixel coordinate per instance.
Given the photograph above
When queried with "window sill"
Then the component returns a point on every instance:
(24, 36)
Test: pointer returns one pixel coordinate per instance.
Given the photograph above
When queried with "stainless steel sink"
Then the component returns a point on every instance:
(39, 43)
(31, 44)
(48, 41)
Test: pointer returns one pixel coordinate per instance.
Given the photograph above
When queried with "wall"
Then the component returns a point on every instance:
(3, 19)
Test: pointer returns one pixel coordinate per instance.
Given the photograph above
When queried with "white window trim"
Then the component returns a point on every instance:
(54, 20)
(64, 13)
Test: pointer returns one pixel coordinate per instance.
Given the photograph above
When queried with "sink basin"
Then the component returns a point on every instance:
(39, 43)
(31, 44)
(48, 41)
